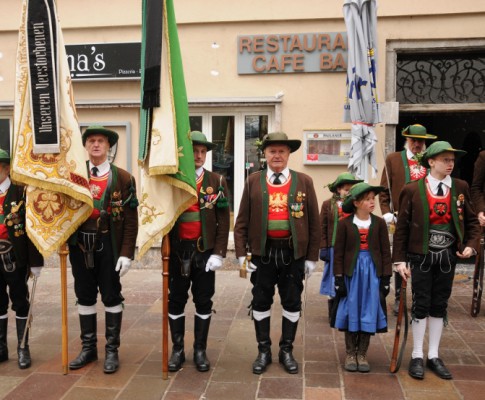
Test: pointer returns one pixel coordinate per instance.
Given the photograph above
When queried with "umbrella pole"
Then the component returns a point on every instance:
(165, 274)
(63, 252)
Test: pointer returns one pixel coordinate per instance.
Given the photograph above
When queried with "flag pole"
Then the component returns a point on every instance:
(165, 274)
(63, 252)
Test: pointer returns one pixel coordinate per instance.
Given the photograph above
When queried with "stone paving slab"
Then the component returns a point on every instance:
(232, 349)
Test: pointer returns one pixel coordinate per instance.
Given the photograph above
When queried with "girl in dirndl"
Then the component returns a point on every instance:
(362, 268)
(330, 213)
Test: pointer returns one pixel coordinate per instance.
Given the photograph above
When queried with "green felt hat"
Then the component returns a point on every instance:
(417, 131)
(437, 148)
(280, 138)
(199, 138)
(354, 193)
(342, 179)
(4, 157)
(100, 130)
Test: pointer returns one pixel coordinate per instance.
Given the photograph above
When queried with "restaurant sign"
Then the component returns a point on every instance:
(292, 52)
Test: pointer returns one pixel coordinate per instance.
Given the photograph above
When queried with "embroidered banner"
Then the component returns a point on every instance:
(42, 58)
(58, 196)
(166, 153)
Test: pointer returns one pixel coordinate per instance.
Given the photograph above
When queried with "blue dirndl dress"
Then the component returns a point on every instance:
(327, 286)
(360, 310)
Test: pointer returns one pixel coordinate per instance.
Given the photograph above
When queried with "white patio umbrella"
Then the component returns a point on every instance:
(361, 105)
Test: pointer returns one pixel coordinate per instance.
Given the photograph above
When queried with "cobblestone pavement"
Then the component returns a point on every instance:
(232, 349)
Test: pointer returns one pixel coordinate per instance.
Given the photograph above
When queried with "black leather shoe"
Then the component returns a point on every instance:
(416, 368)
(286, 358)
(261, 362)
(438, 367)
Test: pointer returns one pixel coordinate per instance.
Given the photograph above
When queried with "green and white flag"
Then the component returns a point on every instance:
(168, 185)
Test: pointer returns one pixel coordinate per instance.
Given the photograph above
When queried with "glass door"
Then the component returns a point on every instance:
(237, 134)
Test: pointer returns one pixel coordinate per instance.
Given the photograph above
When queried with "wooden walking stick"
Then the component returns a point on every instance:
(63, 252)
(165, 274)
(478, 279)
(397, 353)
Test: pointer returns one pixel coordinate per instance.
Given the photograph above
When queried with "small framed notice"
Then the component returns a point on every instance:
(326, 146)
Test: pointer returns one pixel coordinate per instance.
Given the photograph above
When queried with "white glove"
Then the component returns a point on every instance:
(309, 267)
(123, 265)
(213, 263)
(389, 218)
(249, 267)
(36, 271)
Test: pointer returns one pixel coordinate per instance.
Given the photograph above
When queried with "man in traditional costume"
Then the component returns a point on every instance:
(436, 225)
(103, 247)
(278, 223)
(18, 258)
(402, 167)
(478, 188)
(198, 245)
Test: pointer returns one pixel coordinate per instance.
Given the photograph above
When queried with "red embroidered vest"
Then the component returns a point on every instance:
(439, 207)
(416, 170)
(3, 227)
(364, 233)
(278, 214)
(97, 185)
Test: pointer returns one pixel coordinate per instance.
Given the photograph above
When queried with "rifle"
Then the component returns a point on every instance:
(397, 353)
(478, 279)
(29, 315)
(243, 272)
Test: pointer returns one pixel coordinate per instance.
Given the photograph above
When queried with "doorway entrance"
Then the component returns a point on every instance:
(237, 133)
(463, 130)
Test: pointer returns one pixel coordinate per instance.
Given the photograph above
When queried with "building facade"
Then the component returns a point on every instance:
(259, 66)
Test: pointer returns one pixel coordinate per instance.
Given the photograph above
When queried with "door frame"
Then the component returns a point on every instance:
(239, 112)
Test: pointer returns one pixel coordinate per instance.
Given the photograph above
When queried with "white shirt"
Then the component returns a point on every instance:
(409, 154)
(283, 178)
(5, 185)
(103, 168)
(361, 223)
(198, 172)
(433, 184)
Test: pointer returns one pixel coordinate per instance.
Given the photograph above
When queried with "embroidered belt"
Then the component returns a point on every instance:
(190, 245)
(440, 239)
(5, 246)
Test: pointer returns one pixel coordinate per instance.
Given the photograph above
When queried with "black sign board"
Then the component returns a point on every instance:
(104, 61)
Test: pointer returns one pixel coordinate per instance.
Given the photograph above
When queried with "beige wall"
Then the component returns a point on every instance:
(311, 101)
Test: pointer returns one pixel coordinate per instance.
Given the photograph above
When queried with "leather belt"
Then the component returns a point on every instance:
(279, 243)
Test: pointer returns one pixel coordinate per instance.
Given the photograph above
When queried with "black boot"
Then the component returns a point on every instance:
(330, 307)
(177, 330)
(288, 333)
(23, 353)
(201, 331)
(3, 339)
(264, 345)
(113, 328)
(89, 351)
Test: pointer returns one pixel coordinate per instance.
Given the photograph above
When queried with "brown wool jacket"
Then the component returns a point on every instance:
(252, 220)
(215, 221)
(347, 246)
(478, 184)
(123, 228)
(328, 222)
(412, 229)
(398, 172)
(25, 251)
